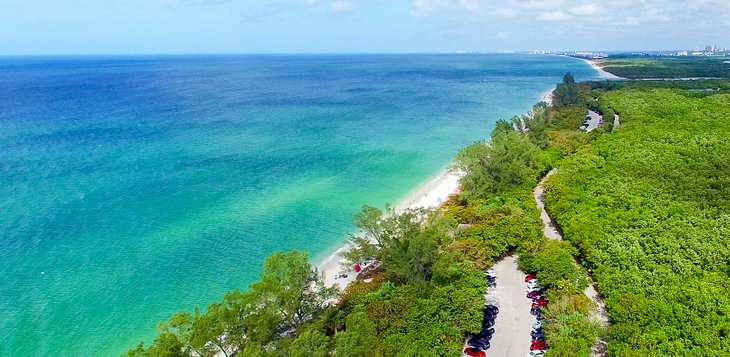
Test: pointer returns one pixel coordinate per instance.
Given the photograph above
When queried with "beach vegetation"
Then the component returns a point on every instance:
(567, 92)
(508, 161)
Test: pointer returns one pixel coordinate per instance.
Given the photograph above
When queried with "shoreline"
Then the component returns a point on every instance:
(429, 194)
(602, 73)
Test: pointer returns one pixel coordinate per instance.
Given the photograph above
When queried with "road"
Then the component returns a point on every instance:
(514, 322)
(595, 119)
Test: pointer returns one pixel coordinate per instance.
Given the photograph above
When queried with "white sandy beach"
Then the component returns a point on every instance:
(602, 74)
(548, 96)
(430, 194)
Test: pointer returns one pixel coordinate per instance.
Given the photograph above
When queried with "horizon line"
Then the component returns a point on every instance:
(457, 52)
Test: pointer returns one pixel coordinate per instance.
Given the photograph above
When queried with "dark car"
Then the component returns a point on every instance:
(474, 352)
(482, 344)
(487, 322)
(486, 332)
(535, 294)
(535, 310)
(492, 308)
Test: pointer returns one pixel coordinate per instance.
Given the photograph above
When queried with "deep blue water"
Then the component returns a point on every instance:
(134, 187)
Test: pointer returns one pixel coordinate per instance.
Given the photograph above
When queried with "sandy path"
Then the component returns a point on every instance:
(549, 228)
(552, 232)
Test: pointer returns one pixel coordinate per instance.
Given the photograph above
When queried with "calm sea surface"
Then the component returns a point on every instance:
(134, 187)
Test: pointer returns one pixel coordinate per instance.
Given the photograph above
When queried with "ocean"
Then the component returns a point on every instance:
(135, 187)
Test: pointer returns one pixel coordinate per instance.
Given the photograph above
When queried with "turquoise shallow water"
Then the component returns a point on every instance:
(134, 187)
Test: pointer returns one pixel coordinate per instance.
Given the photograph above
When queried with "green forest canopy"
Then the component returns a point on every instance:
(649, 209)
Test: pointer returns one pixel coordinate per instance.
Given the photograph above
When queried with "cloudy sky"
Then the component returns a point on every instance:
(327, 26)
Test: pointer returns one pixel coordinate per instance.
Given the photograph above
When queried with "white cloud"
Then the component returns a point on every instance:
(587, 10)
(343, 6)
(554, 16)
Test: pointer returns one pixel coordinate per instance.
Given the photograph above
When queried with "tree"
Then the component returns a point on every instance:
(207, 334)
(167, 345)
(566, 93)
(503, 126)
(290, 285)
(359, 336)
(312, 343)
(247, 321)
(404, 243)
(509, 160)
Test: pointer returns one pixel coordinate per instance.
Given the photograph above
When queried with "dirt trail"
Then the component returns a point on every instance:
(551, 230)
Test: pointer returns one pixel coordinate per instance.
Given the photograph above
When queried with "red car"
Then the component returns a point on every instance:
(473, 352)
(538, 345)
(530, 277)
(540, 303)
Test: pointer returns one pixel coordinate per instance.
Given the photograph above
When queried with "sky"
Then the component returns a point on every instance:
(48, 27)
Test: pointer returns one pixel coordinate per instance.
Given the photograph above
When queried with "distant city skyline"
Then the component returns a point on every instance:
(357, 26)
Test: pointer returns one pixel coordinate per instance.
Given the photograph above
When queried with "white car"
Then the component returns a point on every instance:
(533, 285)
(537, 325)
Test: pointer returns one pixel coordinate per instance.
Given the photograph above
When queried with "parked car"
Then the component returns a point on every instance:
(535, 310)
(530, 277)
(540, 303)
(492, 309)
(474, 352)
(535, 294)
(482, 344)
(538, 346)
(537, 326)
(486, 333)
(487, 322)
